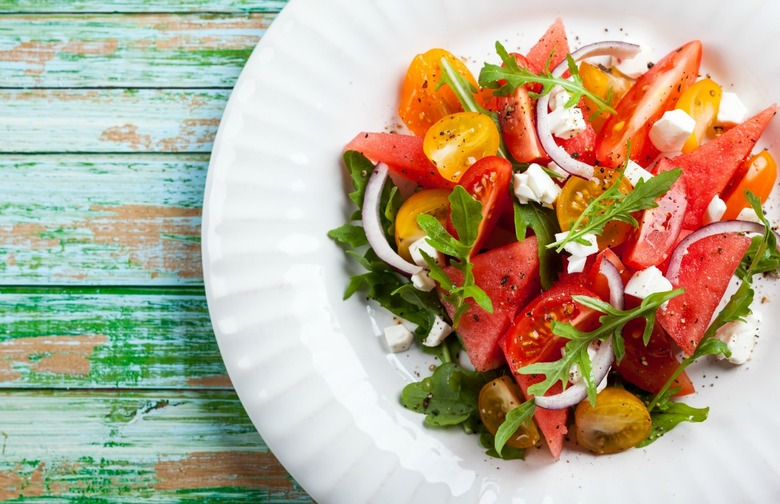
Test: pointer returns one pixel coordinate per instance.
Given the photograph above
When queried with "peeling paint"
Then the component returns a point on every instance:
(127, 134)
(63, 355)
(222, 469)
(210, 381)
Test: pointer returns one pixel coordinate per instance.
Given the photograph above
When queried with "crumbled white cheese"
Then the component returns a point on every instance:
(647, 281)
(671, 131)
(422, 244)
(634, 173)
(562, 174)
(740, 337)
(422, 281)
(398, 337)
(748, 214)
(536, 185)
(575, 375)
(559, 97)
(634, 67)
(715, 210)
(438, 332)
(567, 123)
(731, 109)
(579, 252)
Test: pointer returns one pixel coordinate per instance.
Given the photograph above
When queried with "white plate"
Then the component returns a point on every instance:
(312, 371)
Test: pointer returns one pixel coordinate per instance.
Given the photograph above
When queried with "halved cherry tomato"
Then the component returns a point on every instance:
(597, 282)
(432, 202)
(421, 104)
(457, 141)
(700, 101)
(654, 93)
(496, 399)
(517, 117)
(760, 173)
(659, 227)
(488, 181)
(617, 422)
(578, 193)
(648, 367)
(530, 339)
(606, 85)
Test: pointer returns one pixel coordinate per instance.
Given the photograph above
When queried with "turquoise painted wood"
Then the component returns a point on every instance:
(111, 383)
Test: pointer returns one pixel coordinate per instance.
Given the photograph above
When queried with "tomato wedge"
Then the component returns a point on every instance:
(654, 93)
(403, 154)
(517, 117)
(488, 182)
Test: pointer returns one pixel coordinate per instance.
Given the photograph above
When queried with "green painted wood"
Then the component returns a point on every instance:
(129, 446)
(49, 6)
(129, 50)
(101, 219)
(110, 120)
(108, 337)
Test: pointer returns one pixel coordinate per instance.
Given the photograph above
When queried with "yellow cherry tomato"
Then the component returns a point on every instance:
(700, 101)
(430, 201)
(760, 173)
(607, 85)
(420, 103)
(578, 193)
(617, 422)
(496, 399)
(457, 141)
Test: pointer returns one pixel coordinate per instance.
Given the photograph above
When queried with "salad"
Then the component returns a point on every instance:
(567, 232)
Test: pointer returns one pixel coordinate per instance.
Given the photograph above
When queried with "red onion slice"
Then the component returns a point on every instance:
(557, 153)
(372, 223)
(602, 361)
(721, 227)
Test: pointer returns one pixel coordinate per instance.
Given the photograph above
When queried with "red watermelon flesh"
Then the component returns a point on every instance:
(510, 276)
(552, 423)
(554, 42)
(704, 273)
(708, 169)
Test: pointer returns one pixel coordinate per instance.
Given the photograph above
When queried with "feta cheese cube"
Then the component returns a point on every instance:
(438, 332)
(422, 244)
(398, 337)
(671, 131)
(731, 109)
(634, 173)
(748, 214)
(646, 282)
(740, 337)
(576, 264)
(422, 281)
(579, 252)
(567, 123)
(536, 185)
(575, 375)
(634, 67)
(562, 174)
(559, 97)
(715, 210)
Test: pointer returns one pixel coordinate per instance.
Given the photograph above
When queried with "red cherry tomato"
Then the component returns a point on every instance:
(654, 93)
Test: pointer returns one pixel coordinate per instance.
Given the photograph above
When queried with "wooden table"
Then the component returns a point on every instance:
(112, 383)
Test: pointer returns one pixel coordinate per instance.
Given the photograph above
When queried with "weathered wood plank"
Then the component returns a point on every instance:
(128, 50)
(108, 337)
(127, 446)
(130, 219)
(110, 120)
(48, 6)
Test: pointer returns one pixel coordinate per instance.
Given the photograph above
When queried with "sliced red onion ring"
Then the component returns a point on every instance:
(372, 224)
(721, 227)
(557, 153)
(602, 361)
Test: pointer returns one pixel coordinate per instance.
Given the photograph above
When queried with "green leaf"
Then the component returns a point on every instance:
(350, 235)
(488, 441)
(439, 238)
(669, 416)
(448, 397)
(359, 168)
(544, 225)
(514, 419)
(466, 215)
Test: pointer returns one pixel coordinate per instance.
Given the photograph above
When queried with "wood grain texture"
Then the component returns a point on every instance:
(110, 120)
(110, 337)
(136, 447)
(228, 6)
(129, 50)
(101, 219)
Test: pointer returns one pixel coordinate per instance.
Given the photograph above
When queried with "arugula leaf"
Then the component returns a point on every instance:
(669, 415)
(614, 205)
(544, 225)
(359, 168)
(466, 215)
(448, 397)
(350, 235)
(487, 440)
(576, 349)
(509, 76)
(514, 419)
